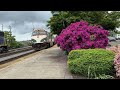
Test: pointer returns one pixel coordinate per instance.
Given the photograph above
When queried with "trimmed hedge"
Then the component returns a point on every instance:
(91, 62)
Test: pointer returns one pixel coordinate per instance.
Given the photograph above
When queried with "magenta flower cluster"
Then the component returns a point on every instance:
(81, 35)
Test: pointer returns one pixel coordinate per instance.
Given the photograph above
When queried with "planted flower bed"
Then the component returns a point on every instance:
(85, 45)
(116, 50)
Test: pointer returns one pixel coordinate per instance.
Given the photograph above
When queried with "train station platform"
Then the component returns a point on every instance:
(46, 64)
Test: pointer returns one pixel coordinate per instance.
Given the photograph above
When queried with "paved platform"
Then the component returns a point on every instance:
(47, 64)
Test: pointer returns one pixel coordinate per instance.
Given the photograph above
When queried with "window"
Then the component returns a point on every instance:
(39, 33)
(34, 33)
(42, 33)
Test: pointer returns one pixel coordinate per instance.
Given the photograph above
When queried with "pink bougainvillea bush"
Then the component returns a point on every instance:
(117, 64)
(116, 50)
(81, 35)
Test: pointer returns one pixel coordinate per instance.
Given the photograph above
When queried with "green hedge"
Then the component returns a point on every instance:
(91, 62)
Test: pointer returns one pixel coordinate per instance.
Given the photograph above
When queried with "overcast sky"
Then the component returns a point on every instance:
(22, 22)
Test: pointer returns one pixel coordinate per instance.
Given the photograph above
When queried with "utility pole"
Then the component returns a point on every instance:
(10, 30)
(10, 34)
(2, 27)
(33, 26)
(4, 36)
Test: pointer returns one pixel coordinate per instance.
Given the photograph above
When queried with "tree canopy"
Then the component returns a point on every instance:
(61, 19)
(10, 40)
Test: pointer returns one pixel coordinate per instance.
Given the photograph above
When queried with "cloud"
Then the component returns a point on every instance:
(22, 22)
(21, 16)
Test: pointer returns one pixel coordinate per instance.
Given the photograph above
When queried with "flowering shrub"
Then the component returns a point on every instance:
(117, 64)
(116, 50)
(81, 35)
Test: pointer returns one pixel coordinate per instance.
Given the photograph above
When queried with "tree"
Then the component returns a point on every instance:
(58, 22)
(10, 40)
(61, 19)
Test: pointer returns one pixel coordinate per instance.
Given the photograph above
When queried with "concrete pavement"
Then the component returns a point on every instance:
(46, 64)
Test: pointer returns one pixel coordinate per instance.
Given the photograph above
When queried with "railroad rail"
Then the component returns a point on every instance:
(15, 56)
(16, 53)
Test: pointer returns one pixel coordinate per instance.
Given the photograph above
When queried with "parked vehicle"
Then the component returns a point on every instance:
(117, 36)
(111, 38)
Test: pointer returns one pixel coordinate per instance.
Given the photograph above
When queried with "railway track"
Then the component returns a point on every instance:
(15, 56)
(15, 53)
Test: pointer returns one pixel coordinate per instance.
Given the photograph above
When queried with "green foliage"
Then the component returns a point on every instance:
(61, 19)
(66, 53)
(103, 76)
(117, 32)
(27, 42)
(112, 33)
(10, 40)
(91, 62)
(16, 44)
